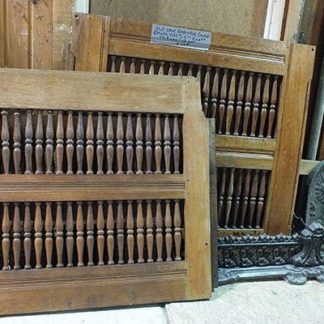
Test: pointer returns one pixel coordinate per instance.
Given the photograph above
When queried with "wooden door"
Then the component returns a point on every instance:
(256, 89)
(104, 191)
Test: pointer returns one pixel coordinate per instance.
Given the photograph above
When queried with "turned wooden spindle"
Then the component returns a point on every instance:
(206, 92)
(253, 198)
(151, 69)
(80, 234)
(158, 231)
(16, 244)
(148, 145)
(120, 143)
(214, 97)
(90, 143)
(247, 104)
(59, 240)
(256, 105)
(5, 236)
(167, 145)
(264, 106)
(27, 235)
(221, 194)
(177, 230)
(38, 242)
(180, 70)
(110, 233)
(28, 143)
(100, 233)
(273, 106)
(130, 231)
(132, 65)
(171, 69)
(142, 67)
(161, 68)
(110, 144)
(239, 103)
(229, 196)
(100, 144)
(122, 67)
(176, 145)
(168, 230)
(230, 104)
(69, 143)
(90, 233)
(139, 144)
(198, 75)
(113, 63)
(149, 231)
(190, 70)
(49, 149)
(5, 142)
(39, 134)
(17, 143)
(120, 232)
(129, 144)
(222, 102)
(80, 143)
(246, 193)
(48, 235)
(140, 232)
(59, 143)
(69, 234)
(261, 195)
(237, 196)
(157, 144)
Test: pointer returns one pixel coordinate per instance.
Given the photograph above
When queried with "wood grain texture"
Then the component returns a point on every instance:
(91, 231)
(88, 91)
(288, 154)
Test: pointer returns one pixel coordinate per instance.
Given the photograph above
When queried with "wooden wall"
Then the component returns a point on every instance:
(241, 17)
(29, 31)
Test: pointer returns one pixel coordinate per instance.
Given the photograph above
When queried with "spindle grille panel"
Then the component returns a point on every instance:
(106, 190)
(76, 234)
(242, 197)
(243, 103)
(256, 89)
(62, 142)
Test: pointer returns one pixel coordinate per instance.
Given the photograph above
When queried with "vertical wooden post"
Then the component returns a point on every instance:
(290, 136)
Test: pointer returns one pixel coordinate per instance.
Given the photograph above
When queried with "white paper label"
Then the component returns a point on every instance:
(181, 37)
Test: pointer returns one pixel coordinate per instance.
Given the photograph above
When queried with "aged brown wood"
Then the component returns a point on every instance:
(248, 107)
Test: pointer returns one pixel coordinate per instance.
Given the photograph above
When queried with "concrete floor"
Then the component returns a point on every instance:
(272, 302)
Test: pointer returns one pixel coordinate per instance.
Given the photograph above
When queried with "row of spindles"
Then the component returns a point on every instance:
(244, 103)
(97, 143)
(241, 197)
(94, 233)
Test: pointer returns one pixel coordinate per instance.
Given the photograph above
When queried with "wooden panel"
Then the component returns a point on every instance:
(109, 194)
(2, 33)
(88, 91)
(18, 33)
(41, 34)
(290, 142)
(242, 85)
(34, 33)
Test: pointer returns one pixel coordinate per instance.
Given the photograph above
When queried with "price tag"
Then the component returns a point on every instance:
(180, 37)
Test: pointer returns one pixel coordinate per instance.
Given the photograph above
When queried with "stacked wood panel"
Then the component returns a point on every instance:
(256, 89)
(107, 190)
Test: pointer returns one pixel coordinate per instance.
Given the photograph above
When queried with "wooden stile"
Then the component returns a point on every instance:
(252, 87)
(105, 194)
